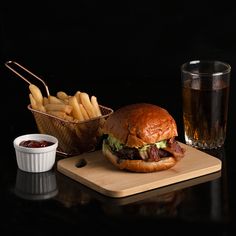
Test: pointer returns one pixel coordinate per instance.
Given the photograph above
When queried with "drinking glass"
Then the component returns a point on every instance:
(205, 94)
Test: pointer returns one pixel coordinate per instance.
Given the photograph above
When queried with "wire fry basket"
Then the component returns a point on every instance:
(74, 137)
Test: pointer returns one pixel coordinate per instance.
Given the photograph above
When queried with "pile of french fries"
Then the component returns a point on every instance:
(78, 107)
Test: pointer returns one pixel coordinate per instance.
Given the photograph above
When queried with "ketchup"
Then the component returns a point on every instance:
(35, 143)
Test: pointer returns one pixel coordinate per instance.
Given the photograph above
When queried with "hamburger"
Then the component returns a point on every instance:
(141, 137)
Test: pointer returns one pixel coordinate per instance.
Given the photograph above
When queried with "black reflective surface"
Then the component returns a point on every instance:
(122, 54)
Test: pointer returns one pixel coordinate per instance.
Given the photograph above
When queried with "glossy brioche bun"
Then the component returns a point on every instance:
(138, 165)
(138, 124)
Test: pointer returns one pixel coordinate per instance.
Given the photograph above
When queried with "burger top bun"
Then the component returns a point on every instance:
(138, 124)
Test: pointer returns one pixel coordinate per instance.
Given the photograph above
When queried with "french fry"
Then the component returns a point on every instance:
(96, 106)
(41, 108)
(77, 95)
(61, 115)
(36, 93)
(33, 102)
(59, 107)
(35, 105)
(72, 108)
(87, 104)
(45, 101)
(84, 112)
(76, 112)
(54, 100)
(62, 95)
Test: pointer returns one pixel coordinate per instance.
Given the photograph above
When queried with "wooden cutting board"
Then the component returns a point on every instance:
(96, 172)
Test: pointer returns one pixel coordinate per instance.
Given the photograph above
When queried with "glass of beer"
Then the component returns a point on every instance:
(205, 94)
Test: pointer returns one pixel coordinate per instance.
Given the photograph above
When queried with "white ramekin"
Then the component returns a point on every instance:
(35, 159)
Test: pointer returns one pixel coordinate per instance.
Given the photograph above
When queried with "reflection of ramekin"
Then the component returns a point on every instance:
(36, 186)
(35, 159)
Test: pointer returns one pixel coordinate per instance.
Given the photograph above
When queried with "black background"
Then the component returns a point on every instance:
(120, 52)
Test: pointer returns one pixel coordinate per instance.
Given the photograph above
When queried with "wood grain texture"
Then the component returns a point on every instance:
(100, 175)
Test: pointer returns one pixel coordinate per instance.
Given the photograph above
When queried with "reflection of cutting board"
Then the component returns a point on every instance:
(100, 175)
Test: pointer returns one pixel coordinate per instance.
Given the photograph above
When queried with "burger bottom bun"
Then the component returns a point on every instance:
(138, 165)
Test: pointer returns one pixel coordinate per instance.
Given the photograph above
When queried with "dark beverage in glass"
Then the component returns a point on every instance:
(205, 93)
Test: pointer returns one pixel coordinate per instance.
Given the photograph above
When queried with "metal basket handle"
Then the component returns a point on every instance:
(8, 63)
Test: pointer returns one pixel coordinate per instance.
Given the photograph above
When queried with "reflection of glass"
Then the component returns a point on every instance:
(218, 188)
(36, 186)
(208, 202)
